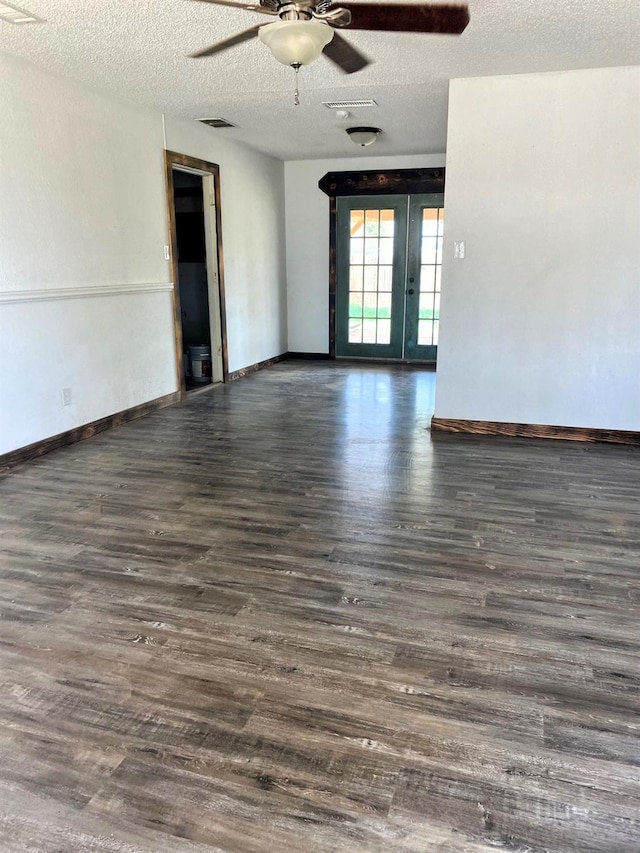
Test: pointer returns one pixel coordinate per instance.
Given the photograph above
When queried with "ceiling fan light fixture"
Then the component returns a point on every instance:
(296, 42)
(363, 135)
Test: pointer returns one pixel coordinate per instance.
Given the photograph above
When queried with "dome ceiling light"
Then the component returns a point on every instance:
(363, 135)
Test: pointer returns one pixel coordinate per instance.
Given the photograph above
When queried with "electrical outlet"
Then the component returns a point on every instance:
(66, 396)
(458, 249)
(166, 253)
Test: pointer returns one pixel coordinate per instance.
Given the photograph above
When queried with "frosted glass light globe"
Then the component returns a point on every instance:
(296, 42)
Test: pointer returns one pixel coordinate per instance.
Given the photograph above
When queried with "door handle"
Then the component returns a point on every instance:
(411, 291)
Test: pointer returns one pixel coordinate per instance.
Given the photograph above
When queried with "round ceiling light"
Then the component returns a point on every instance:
(363, 135)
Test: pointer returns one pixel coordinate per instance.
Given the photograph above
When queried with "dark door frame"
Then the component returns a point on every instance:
(381, 182)
(172, 159)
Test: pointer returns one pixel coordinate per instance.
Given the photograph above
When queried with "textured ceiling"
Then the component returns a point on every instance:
(137, 50)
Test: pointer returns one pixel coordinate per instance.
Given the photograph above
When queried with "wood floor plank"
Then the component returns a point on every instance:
(284, 617)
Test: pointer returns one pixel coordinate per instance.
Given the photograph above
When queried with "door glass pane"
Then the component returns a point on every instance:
(385, 278)
(369, 331)
(355, 304)
(386, 250)
(387, 223)
(430, 222)
(371, 250)
(355, 331)
(372, 223)
(370, 276)
(355, 277)
(430, 275)
(370, 305)
(426, 306)
(384, 306)
(429, 245)
(357, 250)
(425, 332)
(384, 332)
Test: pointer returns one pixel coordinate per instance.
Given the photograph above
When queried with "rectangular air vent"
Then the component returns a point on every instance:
(217, 122)
(14, 15)
(349, 105)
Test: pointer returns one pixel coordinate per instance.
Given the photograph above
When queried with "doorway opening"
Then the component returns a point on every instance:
(188, 201)
(196, 258)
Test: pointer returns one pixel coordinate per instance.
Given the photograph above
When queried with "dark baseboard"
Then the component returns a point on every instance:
(309, 356)
(400, 362)
(323, 356)
(614, 436)
(254, 368)
(63, 439)
(39, 448)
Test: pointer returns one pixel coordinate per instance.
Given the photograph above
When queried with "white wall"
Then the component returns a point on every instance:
(307, 227)
(85, 299)
(253, 237)
(540, 321)
(82, 210)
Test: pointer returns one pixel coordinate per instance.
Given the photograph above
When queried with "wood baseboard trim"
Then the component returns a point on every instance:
(613, 436)
(254, 368)
(260, 365)
(39, 448)
(308, 356)
(399, 362)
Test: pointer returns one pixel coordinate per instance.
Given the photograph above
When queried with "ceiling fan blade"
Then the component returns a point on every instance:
(219, 46)
(344, 55)
(449, 18)
(249, 7)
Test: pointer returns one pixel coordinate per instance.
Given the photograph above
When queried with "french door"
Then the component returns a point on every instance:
(388, 263)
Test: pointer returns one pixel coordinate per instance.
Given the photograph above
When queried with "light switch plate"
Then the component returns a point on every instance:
(458, 249)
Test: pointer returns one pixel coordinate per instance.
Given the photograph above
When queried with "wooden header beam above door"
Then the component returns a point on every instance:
(382, 182)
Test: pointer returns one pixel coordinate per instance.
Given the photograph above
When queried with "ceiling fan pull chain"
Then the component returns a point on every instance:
(296, 94)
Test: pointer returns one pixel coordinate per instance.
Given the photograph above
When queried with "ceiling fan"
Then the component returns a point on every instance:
(306, 28)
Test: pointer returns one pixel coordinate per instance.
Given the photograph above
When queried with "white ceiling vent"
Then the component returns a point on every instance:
(217, 122)
(349, 105)
(14, 15)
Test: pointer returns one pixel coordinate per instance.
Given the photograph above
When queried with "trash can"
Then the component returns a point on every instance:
(200, 358)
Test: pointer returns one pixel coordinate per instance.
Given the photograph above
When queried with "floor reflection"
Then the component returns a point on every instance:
(383, 432)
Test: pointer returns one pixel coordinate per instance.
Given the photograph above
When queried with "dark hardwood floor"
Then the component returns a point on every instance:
(283, 617)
